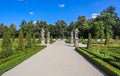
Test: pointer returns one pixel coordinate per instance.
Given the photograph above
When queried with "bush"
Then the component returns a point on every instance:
(68, 40)
(15, 59)
(106, 67)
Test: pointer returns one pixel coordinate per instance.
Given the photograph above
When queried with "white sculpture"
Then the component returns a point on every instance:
(48, 38)
(76, 38)
(43, 38)
(71, 37)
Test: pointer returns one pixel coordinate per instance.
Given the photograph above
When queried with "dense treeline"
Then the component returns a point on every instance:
(106, 25)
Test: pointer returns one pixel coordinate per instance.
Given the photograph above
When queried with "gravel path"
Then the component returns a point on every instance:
(58, 59)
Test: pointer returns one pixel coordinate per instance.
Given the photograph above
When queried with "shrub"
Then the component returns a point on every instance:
(17, 58)
(20, 42)
(6, 45)
(89, 41)
(106, 67)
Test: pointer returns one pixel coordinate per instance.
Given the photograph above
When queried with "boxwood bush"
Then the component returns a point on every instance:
(106, 67)
(15, 59)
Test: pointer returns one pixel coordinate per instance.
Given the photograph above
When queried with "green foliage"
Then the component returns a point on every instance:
(29, 42)
(61, 28)
(34, 39)
(12, 29)
(15, 59)
(6, 45)
(51, 40)
(109, 69)
(83, 26)
(99, 29)
(21, 41)
(89, 41)
(107, 39)
(68, 40)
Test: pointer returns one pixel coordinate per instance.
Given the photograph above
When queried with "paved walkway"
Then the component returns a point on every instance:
(58, 59)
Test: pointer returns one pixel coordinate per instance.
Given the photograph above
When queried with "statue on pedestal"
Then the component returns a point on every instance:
(43, 38)
(48, 38)
(71, 37)
(76, 38)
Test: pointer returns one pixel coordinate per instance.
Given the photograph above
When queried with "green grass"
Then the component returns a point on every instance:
(17, 58)
(68, 40)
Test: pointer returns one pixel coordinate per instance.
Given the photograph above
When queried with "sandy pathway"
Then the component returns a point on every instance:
(58, 59)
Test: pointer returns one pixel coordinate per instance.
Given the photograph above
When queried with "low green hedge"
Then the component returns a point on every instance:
(14, 60)
(106, 67)
(107, 56)
(68, 40)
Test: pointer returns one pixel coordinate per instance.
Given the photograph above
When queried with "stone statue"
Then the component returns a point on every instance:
(42, 39)
(71, 37)
(42, 33)
(48, 38)
(76, 38)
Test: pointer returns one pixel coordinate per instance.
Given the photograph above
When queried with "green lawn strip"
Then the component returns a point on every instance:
(2, 61)
(52, 41)
(106, 67)
(13, 61)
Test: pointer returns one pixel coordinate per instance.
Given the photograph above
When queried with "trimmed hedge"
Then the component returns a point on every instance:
(107, 56)
(16, 59)
(106, 67)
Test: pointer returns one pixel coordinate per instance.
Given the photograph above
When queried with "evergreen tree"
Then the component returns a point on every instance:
(89, 41)
(34, 39)
(29, 43)
(6, 43)
(21, 41)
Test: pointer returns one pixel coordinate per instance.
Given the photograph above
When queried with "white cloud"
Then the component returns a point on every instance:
(94, 15)
(31, 13)
(34, 22)
(61, 5)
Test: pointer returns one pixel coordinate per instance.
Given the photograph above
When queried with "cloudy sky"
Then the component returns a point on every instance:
(13, 11)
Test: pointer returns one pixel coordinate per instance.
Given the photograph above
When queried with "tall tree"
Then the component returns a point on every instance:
(109, 17)
(21, 41)
(6, 43)
(61, 28)
(99, 29)
(23, 26)
(82, 25)
(12, 31)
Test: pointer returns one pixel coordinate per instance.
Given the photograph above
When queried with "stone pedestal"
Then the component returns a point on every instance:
(48, 38)
(76, 42)
(71, 37)
(48, 41)
(42, 39)
(76, 38)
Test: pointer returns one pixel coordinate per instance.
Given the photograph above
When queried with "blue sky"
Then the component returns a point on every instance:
(14, 11)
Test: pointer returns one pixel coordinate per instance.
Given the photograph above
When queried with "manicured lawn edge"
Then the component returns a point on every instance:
(106, 67)
(15, 60)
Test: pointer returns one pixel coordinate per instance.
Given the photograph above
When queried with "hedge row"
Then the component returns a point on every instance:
(14, 60)
(107, 57)
(106, 67)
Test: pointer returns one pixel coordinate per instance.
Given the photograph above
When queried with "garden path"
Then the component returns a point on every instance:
(58, 59)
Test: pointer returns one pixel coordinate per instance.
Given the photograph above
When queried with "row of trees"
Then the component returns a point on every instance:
(106, 25)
